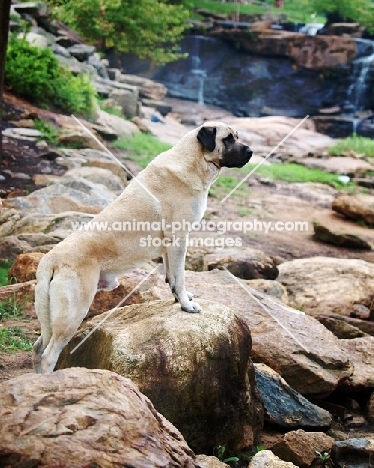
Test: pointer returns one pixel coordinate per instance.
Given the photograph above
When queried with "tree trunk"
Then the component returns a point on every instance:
(4, 25)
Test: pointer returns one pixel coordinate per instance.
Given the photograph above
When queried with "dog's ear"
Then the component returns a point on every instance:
(207, 137)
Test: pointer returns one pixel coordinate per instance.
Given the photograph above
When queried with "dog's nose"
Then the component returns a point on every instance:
(249, 151)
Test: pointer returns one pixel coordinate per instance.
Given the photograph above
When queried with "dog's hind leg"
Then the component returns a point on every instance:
(70, 299)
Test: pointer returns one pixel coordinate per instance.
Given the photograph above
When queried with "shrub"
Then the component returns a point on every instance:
(37, 75)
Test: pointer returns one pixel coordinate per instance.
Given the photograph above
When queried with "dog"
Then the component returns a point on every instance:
(173, 188)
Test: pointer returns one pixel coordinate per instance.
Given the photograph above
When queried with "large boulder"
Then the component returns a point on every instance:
(195, 368)
(294, 411)
(98, 175)
(359, 207)
(322, 285)
(80, 417)
(307, 355)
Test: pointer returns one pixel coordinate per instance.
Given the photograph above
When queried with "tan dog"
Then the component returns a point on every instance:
(172, 188)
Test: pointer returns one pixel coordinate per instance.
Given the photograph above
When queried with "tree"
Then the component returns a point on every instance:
(148, 28)
(361, 11)
(4, 25)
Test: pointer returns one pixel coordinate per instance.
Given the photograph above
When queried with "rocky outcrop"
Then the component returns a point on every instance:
(301, 448)
(189, 365)
(297, 346)
(323, 285)
(80, 417)
(315, 52)
(295, 410)
(359, 207)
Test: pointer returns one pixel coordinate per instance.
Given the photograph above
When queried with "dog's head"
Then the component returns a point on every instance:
(222, 146)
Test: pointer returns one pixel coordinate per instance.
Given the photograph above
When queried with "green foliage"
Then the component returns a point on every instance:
(12, 309)
(4, 268)
(146, 28)
(291, 172)
(37, 75)
(13, 339)
(296, 10)
(358, 144)
(221, 449)
(361, 11)
(144, 145)
(50, 134)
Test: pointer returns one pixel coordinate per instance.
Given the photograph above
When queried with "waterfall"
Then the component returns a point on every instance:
(359, 85)
(197, 70)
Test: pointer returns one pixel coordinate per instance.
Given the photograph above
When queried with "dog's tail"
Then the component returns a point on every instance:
(42, 308)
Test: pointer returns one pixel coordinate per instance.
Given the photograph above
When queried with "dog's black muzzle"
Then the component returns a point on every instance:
(236, 157)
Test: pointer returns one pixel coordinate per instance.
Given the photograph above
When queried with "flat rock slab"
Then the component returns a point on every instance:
(81, 417)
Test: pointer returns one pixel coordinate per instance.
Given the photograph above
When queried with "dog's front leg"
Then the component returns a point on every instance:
(176, 254)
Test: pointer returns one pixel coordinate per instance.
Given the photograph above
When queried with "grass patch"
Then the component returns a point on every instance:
(13, 339)
(11, 308)
(301, 12)
(243, 211)
(145, 146)
(4, 268)
(224, 184)
(291, 172)
(50, 134)
(358, 144)
(110, 110)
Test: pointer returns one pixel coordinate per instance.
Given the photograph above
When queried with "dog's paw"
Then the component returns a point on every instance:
(191, 307)
(190, 295)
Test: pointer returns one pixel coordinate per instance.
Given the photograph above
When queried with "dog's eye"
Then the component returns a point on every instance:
(230, 138)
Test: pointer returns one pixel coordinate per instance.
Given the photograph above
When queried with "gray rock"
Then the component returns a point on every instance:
(284, 406)
(114, 73)
(81, 51)
(77, 67)
(355, 453)
(36, 40)
(98, 64)
(98, 175)
(22, 133)
(11, 247)
(128, 100)
(35, 9)
(59, 50)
